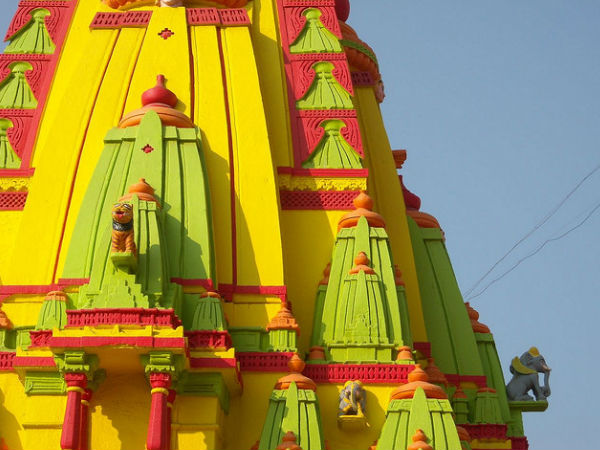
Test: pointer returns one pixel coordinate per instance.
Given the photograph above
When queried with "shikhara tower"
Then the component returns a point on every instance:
(243, 136)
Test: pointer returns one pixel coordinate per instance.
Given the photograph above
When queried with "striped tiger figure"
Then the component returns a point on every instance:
(122, 229)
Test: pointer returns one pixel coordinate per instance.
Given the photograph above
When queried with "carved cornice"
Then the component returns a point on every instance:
(14, 184)
(294, 183)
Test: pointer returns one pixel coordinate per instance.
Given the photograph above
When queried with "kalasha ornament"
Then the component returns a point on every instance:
(342, 9)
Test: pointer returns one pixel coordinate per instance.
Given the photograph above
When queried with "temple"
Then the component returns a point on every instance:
(207, 245)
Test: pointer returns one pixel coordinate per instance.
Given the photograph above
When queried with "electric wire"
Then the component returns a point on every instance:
(536, 251)
(533, 230)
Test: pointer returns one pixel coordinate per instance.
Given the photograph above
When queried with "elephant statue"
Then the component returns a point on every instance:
(353, 399)
(525, 377)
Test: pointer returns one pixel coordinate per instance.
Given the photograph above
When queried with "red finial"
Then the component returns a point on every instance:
(159, 94)
(342, 9)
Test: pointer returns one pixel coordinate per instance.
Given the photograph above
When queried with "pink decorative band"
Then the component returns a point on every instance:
(367, 373)
(208, 339)
(317, 200)
(122, 316)
(121, 20)
(234, 17)
(227, 291)
(201, 282)
(12, 201)
(362, 79)
(486, 431)
(264, 362)
(479, 380)
(6, 360)
(519, 443)
(44, 338)
(325, 173)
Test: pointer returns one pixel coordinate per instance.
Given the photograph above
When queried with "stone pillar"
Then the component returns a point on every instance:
(157, 424)
(71, 432)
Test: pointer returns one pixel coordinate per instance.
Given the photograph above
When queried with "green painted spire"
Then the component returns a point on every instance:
(405, 416)
(325, 92)
(33, 37)
(53, 313)
(448, 326)
(487, 407)
(295, 410)
(333, 151)
(8, 157)
(315, 37)
(15, 92)
(209, 314)
(360, 317)
(173, 234)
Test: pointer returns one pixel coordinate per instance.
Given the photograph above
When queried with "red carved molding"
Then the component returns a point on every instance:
(40, 338)
(519, 443)
(304, 74)
(362, 79)
(21, 120)
(264, 362)
(295, 21)
(6, 360)
(325, 173)
(234, 17)
(40, 78)
(367, 373)
(34, 77)
(112, 20)
(227, 291)
(41, 288)
(204, 283)
(486, 431)
(317, 200)
(479, 380)
(53, 21)
(208, 339)
(104, 341)
(231, 17)
(122, 316)
(12, 201)
(313, 132)
(33, 361)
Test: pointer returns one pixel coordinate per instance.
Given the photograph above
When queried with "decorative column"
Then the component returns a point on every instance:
(84, 419)
(157, 425)
(71, 431)
(170, 401)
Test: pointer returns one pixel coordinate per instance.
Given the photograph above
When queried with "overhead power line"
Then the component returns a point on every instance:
(536, 251)
(533, 230)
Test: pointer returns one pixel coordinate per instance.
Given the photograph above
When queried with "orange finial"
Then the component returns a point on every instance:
(404, 354)
(288, 442)
(363, 208)
(284, 320)
(361, 262)
(459, 393)
(142, 190)
(211, 294)
(420, 442)
(296, 366)
(255, 446)
(418, 379)
(477, 326)
(434, 373)
(399, 158)
(316, 353)
(374, 446)
(326, 273)
(5, 323)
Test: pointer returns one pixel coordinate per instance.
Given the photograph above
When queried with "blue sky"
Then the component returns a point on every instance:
(498, 105)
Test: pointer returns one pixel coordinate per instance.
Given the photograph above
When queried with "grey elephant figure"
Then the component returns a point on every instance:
(525, 377)
(353, 399)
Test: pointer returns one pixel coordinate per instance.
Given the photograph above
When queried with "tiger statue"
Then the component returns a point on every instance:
(122, 229)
